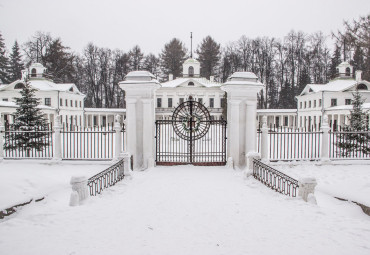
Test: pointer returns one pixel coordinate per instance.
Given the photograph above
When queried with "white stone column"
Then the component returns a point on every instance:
(80, 191)
(99, 120)
(148, 135)
(264, 140)
(2, 134)
(233, 129)
(57, 138)
(242, 89)
(118, 137)
(131, 127)
(307, 189)
(325, 139)
(251, 132)
(140, 87)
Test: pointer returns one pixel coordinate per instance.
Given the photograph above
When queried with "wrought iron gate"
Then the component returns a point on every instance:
(190, 136)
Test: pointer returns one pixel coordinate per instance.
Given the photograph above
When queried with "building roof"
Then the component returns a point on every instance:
(191, 61)
(336, 85)
(47, 85)
(346, 107)
(140, 74)
(243, 75)
(179, 81)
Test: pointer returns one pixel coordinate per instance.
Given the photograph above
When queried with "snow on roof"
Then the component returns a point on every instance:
(346, 107)
(276, 110)
(202, 81)
(191, 61)
(7, 104)
(105, 110)
(244, 75)
(140, 74)
(333, 85)
(14, 105)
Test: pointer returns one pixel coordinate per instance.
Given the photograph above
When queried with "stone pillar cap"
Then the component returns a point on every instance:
(77, 179)
(308, 180)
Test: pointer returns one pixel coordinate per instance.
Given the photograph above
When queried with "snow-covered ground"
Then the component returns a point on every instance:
(22, 180)
(345, 179)
(187, 210)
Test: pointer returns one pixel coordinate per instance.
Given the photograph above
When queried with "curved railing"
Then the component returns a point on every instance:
(274, 179)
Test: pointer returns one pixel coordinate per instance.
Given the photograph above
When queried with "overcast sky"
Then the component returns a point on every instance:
(150, 24)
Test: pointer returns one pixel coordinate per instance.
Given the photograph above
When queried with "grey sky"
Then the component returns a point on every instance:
(150, 24)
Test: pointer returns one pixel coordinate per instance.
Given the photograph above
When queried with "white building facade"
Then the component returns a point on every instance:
(176, 91)
(333, 99)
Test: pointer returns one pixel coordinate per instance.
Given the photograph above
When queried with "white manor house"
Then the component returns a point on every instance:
(332, 99)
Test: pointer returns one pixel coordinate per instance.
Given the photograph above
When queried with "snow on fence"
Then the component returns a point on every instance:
(106, 178)
(274, 179)
(96, 143)
(294, 144)
(88, 143)
(40, 136)
(355, 145)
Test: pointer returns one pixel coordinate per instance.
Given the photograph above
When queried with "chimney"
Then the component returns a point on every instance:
(358, 75)
(211, 78)
(170, 77)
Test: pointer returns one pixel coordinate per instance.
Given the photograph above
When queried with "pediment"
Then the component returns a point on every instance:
(190, 83)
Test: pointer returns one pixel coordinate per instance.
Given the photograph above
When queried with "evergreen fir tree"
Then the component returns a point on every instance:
(209, 55)
(172, 58)
(29, 119)
(16, 65)
(4, 63)
(357, 140)
(335, 61)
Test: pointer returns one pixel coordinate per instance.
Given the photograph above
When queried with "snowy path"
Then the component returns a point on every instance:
(187, 210)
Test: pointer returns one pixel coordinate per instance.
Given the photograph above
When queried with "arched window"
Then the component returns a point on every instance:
(191, 71)
(19, 86)
(348, 71)
(362, 87)
(33, 72)
(191, 83)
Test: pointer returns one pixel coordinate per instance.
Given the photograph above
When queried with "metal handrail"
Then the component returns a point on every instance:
(274, 179)
(106, 178)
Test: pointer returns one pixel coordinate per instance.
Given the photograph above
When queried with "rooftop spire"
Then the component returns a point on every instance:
(191, 44)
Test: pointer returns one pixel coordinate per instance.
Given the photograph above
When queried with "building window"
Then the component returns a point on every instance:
(314, 103)
(169, 102)
(348, 102)
(362, 87)
(80, 104)
(191, 71)
(66, 102)
(348, 71)
(222, 102)
(76, 103)
(19, 86)
(48, 101)
(305, 104)
(181, 100)
(71, 103)
(159, 102)
(191, 83)
(309, 104)
(5, 99)
(319, 102)
(300, 105)
(60, 102)
(200, 100)
(286, 121)
(333, 102)
(33, 72)
(211, 102)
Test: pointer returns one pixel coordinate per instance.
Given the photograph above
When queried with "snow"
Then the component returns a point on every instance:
(344, 179)
(184, 81)
(187, 210)
(277, 111)
(108, 110)
(27, 179)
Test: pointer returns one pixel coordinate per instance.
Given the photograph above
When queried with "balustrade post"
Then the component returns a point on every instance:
(264, 140)
(2, 135)
(250, 157)
(307, 189)
(57, 139)
(117, 129)
(325, 140)
(80, 190)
